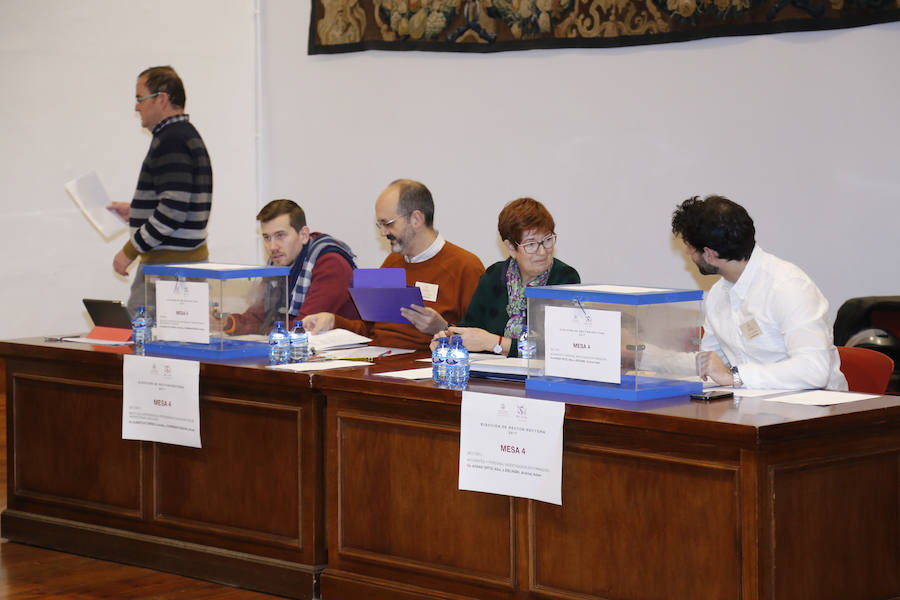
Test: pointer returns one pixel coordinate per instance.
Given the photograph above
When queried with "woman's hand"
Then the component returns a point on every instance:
(437, 336)
(475, 339)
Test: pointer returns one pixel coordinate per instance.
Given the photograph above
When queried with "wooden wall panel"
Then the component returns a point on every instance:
(244, 482)
(406, 474)
(643, 523)
(68, 446)
(836, 527)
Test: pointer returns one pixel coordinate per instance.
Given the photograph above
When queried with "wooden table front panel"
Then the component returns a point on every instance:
(836, 526)
(256, 486)
(638, 525)
(244, 482)
(68, 446)
(393, 478)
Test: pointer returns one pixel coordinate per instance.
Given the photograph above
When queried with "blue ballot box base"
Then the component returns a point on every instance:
(647, 388)
(227, 349)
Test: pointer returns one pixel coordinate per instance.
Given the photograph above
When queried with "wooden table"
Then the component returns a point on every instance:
(246, 509)
(664, 499)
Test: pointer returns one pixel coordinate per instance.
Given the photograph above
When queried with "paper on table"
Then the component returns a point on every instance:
(821, 397)
(503, 366)
(364, 352)
(745, 393)
(473, 357)
(96, 342)
(320, 365)
(335, 339)
(251, 337)
(423, 373)
(90, 196)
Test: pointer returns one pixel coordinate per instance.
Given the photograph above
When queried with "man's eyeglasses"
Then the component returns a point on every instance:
(531, 247)
(139, 99)
(386, 223)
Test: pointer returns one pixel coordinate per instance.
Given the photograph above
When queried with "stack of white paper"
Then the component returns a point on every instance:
(335, 339)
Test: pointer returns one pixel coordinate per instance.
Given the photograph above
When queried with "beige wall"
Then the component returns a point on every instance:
(800, 128)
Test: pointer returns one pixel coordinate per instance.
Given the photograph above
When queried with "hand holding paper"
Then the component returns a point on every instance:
(119, 208)
(426, 320)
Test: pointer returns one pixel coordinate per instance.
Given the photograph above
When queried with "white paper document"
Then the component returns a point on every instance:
(502, 366)
(182, 311)
(366, 352)
(511, 446)
(91, 197)
(161, 400)
(95, 341)
(320, 365)
(821, 397)
(744, 392)
(474, 357)
(411, 374)
(335, 339)
(583, 344)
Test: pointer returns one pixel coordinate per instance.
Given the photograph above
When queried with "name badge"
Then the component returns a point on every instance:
(429, 291)
(750, 329)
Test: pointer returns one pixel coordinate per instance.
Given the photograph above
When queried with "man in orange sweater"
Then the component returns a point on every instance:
(447, 274)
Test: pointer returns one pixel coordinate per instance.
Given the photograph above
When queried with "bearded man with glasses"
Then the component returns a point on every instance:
(446, 273)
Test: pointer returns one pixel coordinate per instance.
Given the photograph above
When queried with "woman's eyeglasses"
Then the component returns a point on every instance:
(531, 247)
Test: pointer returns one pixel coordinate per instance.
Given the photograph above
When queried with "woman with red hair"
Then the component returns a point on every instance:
(498, 309)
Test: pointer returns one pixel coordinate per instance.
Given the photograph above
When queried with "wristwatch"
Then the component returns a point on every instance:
(736, 377)
(498, 349)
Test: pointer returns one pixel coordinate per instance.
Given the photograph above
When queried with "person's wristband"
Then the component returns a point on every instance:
(736, 380)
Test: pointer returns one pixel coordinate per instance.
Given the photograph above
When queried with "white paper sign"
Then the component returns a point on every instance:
(511, 446)
(583, 344)
(182, 311)
(161, 400)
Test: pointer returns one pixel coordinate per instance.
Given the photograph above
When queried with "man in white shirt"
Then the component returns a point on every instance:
(765, 321)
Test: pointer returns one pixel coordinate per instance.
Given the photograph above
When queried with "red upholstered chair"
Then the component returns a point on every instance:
(866, 370)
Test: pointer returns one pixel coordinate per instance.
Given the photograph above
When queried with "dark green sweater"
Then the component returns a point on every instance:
(487, 308)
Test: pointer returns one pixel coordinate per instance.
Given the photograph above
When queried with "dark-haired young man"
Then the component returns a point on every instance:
(170, 209)
(321, 271)
(765, 321)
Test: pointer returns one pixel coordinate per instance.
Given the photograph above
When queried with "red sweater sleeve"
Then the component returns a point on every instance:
(331, 278)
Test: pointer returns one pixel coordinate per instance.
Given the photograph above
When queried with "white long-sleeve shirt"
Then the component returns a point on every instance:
(773, 325)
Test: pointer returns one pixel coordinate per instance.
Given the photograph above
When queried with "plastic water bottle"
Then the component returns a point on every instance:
(457, 364)
(279, 345)
(299, 343)
(527, 347)
(140, 330)
(439, 361)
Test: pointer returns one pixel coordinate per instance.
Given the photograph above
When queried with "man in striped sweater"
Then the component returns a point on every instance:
(170, 209)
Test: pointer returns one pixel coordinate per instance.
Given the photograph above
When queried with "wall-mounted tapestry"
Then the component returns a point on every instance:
(496, 25)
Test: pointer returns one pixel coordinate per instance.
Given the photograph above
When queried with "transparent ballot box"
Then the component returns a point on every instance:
(192, 305)
(611, 341)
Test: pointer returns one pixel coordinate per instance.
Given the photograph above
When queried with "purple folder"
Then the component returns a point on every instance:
(379, 294)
